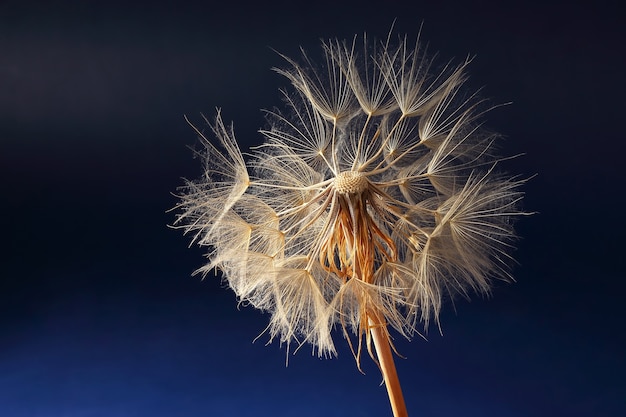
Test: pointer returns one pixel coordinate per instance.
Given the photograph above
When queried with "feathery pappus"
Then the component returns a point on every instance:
(375, 195)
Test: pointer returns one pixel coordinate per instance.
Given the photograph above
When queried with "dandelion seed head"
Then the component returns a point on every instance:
(374, 197)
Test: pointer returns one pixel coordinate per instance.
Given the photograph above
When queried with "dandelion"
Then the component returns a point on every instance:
(374, 196)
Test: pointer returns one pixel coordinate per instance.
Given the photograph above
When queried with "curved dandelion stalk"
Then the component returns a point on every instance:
(374, 196)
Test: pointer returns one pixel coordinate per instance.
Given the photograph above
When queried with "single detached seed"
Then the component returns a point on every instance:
(350, 182)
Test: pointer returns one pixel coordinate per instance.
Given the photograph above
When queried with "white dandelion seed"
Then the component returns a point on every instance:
(374, 196)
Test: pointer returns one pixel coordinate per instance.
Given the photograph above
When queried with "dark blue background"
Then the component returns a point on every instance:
(99, 314)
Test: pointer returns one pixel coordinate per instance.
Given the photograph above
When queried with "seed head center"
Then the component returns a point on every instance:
(350, 182)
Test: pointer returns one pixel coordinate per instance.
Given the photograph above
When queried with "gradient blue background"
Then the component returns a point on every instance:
(98, 313)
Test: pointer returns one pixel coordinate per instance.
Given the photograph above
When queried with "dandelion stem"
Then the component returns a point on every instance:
(388, 368)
